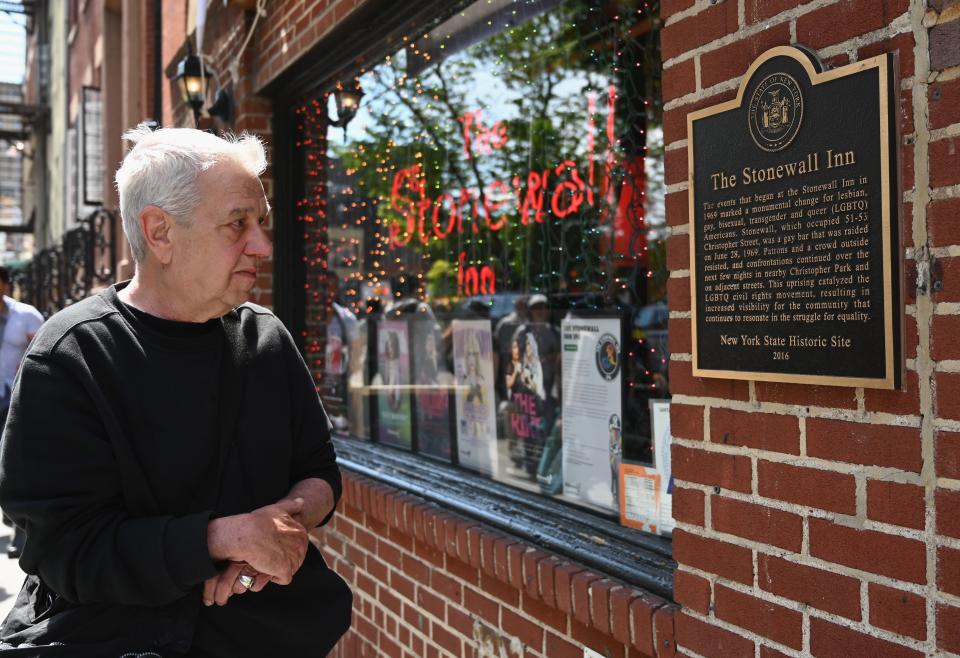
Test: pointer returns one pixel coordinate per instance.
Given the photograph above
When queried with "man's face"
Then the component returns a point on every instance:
(215, 259)
(539, 313)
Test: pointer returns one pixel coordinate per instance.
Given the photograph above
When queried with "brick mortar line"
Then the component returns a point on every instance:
(946, 308)
(860, 499)
(946, 75)
(948, 599)
(900, 25)
(743, 32)
(875, 472)
(923, 304)
(805, 512)
(400, 621)
(692, 10)
(717, 622)
(948, 483)
(948, 542)
(517, 611)
(863, 626)
(946, 132)
(944, 192)
(802, 608)
(450, 603)
(950, 251)
(864, 579)
(880, 418)
(947, 365)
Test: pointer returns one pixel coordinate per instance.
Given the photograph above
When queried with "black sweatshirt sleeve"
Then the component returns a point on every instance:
(314, 455)
(60, 480)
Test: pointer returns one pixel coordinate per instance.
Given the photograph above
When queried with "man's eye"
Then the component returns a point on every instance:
(238, 223)
(262, 221)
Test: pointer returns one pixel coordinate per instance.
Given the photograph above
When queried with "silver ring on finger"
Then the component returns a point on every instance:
(245, 580)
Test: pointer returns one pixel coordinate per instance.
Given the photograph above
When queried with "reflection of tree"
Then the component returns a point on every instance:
(545, 70)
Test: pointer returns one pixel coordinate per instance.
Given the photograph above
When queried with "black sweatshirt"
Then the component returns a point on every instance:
(126, 434)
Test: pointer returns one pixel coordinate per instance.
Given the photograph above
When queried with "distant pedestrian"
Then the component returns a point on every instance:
(18, 324)
(166, 448)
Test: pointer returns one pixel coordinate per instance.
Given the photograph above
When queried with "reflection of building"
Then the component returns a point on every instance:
(13, 246)
(91, 72)
(351, 234)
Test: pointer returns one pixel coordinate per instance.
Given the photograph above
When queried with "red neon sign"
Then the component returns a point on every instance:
(436, 218)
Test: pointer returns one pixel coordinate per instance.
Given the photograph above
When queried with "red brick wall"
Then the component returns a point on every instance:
(815, 520)
(428, 584)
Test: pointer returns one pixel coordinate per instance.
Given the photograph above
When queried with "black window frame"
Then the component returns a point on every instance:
(370, 33)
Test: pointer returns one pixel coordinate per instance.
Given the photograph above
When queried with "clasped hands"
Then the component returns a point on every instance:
(268, 544)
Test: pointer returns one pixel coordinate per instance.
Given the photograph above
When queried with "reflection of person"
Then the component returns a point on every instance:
(532, 372)
(189, 454)
(391, 369)
(476, 393)
(341, 329)
(503, 335)
(547, 343)
(18, 324)
(514, 367)
(429, 368)
(610, 357)
(616, 455)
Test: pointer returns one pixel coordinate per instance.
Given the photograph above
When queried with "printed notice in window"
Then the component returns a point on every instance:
(592, 403)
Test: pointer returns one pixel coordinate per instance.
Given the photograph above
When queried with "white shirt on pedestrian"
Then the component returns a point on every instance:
(23, 321)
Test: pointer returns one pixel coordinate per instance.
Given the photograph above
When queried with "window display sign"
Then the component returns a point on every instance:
(592, 402)
(476, 416)
(341, 329)
(392, 383)
(531, 406)
(433, 386)
(646, 494)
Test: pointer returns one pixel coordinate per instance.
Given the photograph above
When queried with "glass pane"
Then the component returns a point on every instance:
(495, 229)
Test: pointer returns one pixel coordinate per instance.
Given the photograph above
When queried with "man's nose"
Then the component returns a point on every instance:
(259, 244)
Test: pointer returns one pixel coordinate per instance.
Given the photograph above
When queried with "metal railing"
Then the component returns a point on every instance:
(85, 261)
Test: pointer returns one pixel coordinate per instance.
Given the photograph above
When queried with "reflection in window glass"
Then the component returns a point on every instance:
(494, 250)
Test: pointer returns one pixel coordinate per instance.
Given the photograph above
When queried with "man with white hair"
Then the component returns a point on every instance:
(166, 449)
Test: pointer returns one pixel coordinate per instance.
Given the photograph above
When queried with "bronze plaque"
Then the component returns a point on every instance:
(794, 231)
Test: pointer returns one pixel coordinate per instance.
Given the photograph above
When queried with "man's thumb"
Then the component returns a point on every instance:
(291, 505)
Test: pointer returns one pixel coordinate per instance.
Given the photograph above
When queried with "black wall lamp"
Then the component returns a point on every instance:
(191, 78)
(347, 99)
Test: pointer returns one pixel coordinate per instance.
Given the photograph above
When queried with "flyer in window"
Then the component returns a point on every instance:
(646, 499)
(592, 410)
(433, 386)
(392, 383)
(476, 415)
(530, 415)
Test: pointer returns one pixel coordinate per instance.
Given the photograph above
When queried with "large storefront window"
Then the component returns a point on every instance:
(495, 248)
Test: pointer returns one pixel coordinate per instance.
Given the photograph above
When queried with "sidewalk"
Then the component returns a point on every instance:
(11, 578)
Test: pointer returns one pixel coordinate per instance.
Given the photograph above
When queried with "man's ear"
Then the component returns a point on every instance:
(155, 224)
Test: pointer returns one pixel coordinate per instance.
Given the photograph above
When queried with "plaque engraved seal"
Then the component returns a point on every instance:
(776, 111)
